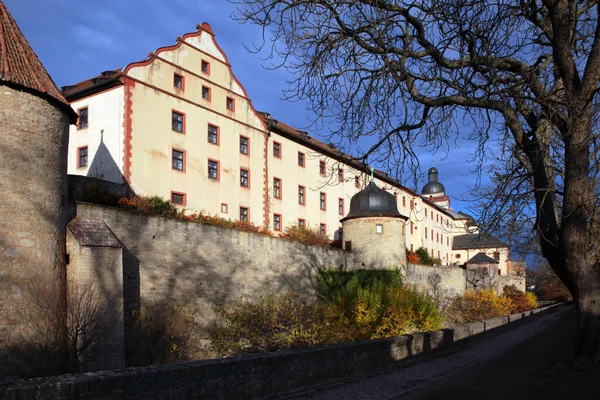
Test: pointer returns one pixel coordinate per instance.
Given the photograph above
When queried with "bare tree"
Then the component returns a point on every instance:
(522, 74)
(61, 328)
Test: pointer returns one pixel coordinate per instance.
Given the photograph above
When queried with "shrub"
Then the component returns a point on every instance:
(165, 334)
(413, 257)
(520, 300)
(161, 206)
(532, 300)
(478, 305)
(382, 308)
(332, 282)
(308, 236)
(276, 323)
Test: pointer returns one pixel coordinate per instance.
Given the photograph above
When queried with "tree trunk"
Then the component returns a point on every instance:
(581, 271)
(588, 321)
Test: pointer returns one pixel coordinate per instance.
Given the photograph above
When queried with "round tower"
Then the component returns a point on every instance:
(374, 229)
(34, 122)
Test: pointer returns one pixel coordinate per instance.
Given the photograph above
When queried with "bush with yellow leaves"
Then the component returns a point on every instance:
(478, 305)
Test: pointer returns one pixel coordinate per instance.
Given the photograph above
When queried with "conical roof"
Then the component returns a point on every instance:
(20, 66)
(373, 202)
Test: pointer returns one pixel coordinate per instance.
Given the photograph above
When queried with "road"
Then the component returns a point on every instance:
(532, 361)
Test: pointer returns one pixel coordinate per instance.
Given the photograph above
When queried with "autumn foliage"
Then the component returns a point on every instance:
(478, 305)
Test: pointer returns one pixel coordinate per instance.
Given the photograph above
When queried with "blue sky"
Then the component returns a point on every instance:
(78, 39)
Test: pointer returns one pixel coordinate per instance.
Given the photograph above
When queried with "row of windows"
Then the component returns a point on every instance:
(439, 238)
(244, 213)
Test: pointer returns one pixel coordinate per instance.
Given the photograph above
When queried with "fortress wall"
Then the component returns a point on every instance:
(203, 266)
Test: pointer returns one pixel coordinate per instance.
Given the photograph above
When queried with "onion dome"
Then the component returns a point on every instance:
(433, 186)
(373, 202)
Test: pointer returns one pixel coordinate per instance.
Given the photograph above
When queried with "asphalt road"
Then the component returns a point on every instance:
(532, 361)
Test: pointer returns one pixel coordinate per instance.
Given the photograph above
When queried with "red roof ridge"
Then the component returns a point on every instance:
(21, 67)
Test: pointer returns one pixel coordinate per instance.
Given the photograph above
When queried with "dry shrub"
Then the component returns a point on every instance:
(412, 257)
(165, 334)
(521, 301)
(308, 236)
(289, 321)
(60, 331)
(478, 305)
(276, 323)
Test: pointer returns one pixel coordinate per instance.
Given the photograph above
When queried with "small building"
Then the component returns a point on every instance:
(374, 229)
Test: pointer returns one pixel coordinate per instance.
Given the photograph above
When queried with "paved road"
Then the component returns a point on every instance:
(506, 366)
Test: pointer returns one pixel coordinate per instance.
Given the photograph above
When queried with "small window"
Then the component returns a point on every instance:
(178, 198)
(178, 81)
(412, 205)
(432, 215)
(340, 175)
(301, 159)
(213, 169)
(244, 214)
(301, 222)
(322, 168)
(213, 134)
(425, 232)
(177, 122)
(276, 150)
(301, 190)
(411, 227)
(497, 255)
(484, 270)
(83, 118)
(357, 182)
(277, 188)
(244, 178)
(348, 245)
(341, 206)
(206, 93)
(82, 160)
(277, 222)
(322, 201)
(244, 148)
(403, 201)
(178, 160)
(205, 67)
(230, 104)
(224, 208)
(437, 218)
(499, 271)
(425, 212)
(379, 228)
(323, 229)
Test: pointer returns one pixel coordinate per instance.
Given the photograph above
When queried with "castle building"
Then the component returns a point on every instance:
(181, 126)
(34, 127)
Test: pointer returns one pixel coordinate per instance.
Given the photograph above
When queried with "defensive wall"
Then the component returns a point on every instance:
(178, 262)
(262, 376)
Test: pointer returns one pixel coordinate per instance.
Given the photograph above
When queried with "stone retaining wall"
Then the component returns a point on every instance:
(261, 376)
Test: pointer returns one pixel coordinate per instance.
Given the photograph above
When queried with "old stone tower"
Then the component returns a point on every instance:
(375, 230)
(34, 122)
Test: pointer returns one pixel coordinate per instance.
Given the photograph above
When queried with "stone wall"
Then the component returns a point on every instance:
(442, 283)
(203, 266)
(33, 165)
(262, 376)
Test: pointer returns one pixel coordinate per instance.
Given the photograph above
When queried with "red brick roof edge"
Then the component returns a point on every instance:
(20, 66)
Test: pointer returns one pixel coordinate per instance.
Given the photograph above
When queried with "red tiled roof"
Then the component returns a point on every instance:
(18, 63)
(92, 232)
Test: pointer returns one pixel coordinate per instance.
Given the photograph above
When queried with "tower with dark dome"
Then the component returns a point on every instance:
(434, 191)
(374, 228)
